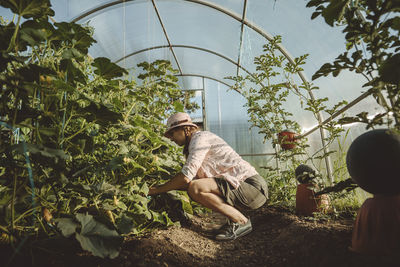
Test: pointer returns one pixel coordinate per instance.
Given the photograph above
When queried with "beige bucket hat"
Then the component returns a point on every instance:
(177, 120)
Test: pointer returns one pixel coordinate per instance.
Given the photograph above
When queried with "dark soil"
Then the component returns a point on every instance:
(279, 238)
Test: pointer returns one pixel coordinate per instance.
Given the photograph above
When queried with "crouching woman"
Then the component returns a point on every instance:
(215, 176)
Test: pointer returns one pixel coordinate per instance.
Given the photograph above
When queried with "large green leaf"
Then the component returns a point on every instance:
(97, 238)
(335, 10)
(72, 53)
(125, 224)
(5, 58)
(183, 198)
(34, 32)
(107, 69)
(73, 73)
(29, 8)
(6, 33)
(75, 35)
(102, 114)
(32, 72)
(390, 70)
(67, 226)
(42, 150)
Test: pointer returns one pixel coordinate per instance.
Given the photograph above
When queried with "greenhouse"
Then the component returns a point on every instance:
(103, 103)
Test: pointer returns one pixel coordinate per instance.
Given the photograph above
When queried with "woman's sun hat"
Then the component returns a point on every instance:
(177, 120)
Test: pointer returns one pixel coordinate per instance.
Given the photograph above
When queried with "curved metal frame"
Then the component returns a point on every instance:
(243, 21)
(184, 46)
(203, 76)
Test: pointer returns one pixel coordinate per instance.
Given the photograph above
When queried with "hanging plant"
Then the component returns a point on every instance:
(287, 139)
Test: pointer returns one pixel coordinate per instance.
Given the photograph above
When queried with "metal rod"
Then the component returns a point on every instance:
(203, 76)
(337, 113)
(190, 47)
(166, 36)
(324, 145)
(241, 35)
(203, 102)
(185, 46)
(258, 154)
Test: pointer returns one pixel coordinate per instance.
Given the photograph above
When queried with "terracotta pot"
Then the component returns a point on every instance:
(287, 139)
(307, 202)
(376, 229)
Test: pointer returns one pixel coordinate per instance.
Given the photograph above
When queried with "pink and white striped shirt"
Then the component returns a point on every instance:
(211, 157)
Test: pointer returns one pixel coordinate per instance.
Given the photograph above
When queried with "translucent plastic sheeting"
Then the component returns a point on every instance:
(347, 86)
(252, 46)
(301, 35)
(131, 26)
(232, 5)
(66, 10)
(293, 105)
(201, 26)
(149, 56)
(197, 115)
(190, 83)
(198, 62)
(232, 123)
(261, 163)
(125, 30)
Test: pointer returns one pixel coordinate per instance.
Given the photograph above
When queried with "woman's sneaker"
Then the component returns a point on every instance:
(232, 230)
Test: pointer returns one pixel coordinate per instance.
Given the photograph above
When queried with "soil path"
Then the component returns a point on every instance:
(279, 238)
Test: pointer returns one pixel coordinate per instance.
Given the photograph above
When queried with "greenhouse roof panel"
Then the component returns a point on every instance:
(129, 29)
(149, 56)
(200, 26)
(300, 34)
(191, 82)
(232, 5)
(210, 65)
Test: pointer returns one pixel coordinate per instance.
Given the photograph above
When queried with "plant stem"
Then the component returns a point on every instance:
(13, 200)
(4, 230)
(23, 215)
(16, 108)
(129, 111)
(75, 134)
(14, 37)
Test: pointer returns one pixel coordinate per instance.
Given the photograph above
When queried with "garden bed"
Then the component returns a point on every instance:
(280, 238)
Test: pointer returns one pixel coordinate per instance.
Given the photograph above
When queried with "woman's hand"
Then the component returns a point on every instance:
(178, 182)
(152, 191)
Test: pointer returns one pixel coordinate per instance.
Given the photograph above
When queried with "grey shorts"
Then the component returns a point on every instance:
(251, 194)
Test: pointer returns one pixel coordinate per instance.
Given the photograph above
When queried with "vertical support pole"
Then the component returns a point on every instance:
(278, 163)
(203, 106)
(328, 163)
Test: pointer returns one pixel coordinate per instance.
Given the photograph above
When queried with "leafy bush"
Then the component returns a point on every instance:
(78, 139)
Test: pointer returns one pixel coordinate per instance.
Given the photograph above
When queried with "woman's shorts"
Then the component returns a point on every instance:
(252, 193)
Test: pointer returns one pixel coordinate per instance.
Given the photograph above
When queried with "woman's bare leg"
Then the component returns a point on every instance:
(206, 192)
